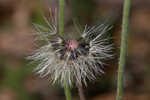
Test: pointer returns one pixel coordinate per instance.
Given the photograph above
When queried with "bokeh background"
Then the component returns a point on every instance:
(17, 80)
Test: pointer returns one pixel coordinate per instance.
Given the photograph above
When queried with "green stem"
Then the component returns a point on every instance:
(61, 17)
(67, 91)
(61, 32)
(123, 52)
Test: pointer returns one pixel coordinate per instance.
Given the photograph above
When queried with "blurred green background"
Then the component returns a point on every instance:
(19, 82)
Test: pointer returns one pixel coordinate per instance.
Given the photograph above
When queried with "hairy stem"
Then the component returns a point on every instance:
(123, 52)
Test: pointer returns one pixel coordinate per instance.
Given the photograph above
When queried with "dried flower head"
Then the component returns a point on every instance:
(71, 60)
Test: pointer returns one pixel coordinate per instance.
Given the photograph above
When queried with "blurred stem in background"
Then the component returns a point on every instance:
(123, 52)
(61, 32)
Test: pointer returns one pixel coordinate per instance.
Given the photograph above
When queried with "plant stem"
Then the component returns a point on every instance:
(81, 92)
(123, 52)
(67, 91)
(61, 32)
(61, 17)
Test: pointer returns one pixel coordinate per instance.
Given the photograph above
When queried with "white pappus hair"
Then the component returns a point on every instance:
(73, 61)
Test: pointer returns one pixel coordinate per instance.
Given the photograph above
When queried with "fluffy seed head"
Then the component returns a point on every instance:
(72, 61)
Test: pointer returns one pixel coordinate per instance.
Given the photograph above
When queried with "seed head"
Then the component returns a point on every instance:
(72, 61)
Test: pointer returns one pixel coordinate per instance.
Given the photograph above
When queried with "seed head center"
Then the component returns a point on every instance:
(72, 44)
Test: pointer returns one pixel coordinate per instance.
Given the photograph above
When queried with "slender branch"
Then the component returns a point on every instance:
(123, 52)
(61, 17)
